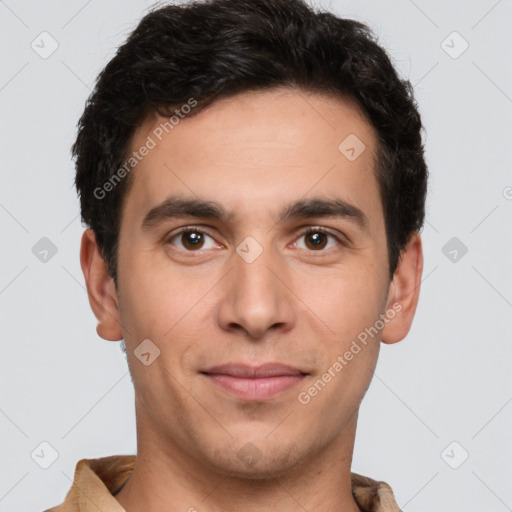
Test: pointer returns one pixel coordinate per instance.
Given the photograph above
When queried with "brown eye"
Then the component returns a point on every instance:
(316, 240)
(192, 240)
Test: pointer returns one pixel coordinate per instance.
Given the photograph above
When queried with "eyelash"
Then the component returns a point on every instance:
(308, 231)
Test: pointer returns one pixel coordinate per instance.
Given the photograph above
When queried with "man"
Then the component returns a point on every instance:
(252, 175)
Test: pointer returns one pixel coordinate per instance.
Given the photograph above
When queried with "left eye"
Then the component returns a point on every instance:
(192, 240)
(317, 240)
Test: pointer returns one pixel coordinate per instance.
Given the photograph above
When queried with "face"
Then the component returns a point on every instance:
(252, 255)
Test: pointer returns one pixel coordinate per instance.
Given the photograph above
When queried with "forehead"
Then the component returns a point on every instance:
(258, 148)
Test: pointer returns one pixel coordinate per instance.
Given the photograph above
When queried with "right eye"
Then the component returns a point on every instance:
(191, 239)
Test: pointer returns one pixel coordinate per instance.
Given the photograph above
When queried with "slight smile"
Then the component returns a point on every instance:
(254, 383)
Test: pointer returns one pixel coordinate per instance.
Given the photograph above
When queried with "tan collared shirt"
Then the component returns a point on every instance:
(96, 481)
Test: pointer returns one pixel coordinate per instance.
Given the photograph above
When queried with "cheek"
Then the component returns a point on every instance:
(348, 356)
(173, 309)
(346, 301)
(154, 298)
(330, 399)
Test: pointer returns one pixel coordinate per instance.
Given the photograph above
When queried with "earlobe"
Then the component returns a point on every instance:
(100, 289)
(404, 291)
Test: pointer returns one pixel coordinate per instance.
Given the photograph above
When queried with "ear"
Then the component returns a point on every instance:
(100, 288)
(404, 291)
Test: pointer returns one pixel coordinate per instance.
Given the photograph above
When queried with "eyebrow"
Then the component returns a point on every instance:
(177, 207)
(180, 207)
(325, 208)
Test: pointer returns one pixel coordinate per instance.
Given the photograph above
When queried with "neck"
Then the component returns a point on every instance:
(167, 478)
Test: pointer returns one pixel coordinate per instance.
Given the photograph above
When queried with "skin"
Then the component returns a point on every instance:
(294, 304)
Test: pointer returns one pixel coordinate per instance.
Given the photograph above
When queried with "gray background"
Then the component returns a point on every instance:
(449, 381)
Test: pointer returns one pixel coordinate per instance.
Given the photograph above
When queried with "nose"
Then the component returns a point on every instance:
(257, 297)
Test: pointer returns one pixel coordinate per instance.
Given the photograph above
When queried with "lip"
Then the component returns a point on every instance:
(254, 382)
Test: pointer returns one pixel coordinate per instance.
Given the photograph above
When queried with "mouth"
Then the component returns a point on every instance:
(254, 382)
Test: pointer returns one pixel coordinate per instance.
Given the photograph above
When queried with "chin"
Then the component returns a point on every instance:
(252, 463)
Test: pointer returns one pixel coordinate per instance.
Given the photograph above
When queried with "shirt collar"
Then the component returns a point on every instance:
(97, 480)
